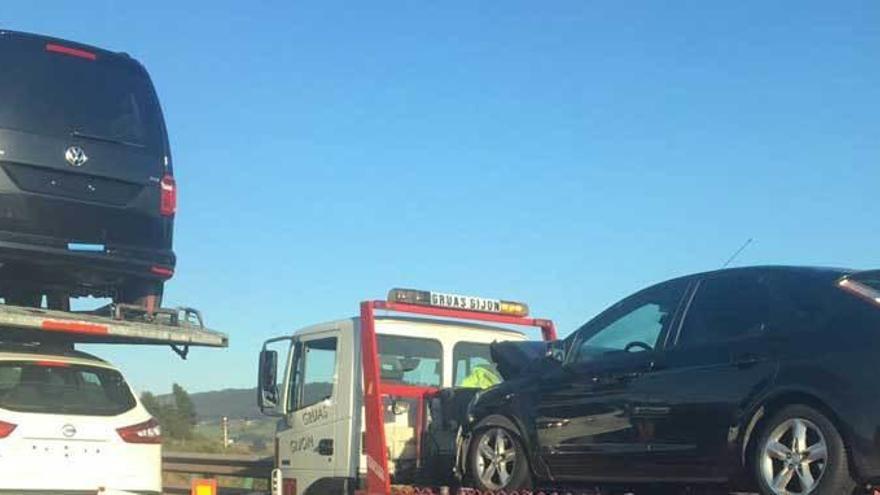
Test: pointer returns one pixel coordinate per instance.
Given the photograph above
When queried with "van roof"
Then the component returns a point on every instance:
(73, 44)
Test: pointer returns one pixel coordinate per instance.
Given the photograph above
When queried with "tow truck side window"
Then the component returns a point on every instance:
(470, 359)
(410, 360)
(314, 372)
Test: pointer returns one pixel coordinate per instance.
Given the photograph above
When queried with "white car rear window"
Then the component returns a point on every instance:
(60, 388)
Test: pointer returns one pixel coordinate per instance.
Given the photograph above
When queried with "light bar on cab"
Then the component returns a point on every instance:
(457, 301)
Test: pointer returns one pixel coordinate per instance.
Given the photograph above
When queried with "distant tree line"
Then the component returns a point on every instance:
(178, 417)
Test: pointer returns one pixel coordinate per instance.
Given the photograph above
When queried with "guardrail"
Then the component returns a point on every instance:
(236, 474)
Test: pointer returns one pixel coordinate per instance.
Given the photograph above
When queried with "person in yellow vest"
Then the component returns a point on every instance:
(482, 376)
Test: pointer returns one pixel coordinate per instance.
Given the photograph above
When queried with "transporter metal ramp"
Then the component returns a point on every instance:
(179, 328)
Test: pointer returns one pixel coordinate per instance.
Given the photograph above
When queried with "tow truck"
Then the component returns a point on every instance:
(376, 400)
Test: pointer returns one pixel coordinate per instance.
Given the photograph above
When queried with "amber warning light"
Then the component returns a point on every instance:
(458, 301)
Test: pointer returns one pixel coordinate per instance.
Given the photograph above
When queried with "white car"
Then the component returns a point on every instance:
(70, 423)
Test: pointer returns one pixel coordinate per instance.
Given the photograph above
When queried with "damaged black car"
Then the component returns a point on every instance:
(753, 378)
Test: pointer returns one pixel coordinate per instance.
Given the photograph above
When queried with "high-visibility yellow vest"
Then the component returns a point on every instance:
(481, 377)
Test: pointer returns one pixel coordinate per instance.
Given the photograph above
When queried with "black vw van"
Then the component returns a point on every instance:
(87, 193)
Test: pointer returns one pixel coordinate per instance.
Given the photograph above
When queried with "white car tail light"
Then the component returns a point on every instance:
(6, 429)
(146, 432)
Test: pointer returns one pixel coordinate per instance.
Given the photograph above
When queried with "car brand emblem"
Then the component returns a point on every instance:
(68, 430)
(76, 156)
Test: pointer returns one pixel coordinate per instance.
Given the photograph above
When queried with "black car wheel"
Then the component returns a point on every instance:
(800, 452)
(498, 460)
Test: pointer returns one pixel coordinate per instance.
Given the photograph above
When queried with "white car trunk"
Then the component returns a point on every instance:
(72, 442)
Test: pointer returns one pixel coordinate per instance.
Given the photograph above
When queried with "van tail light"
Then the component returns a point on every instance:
(6, 429)
(168, 204)
(146, 432)
(162, 271)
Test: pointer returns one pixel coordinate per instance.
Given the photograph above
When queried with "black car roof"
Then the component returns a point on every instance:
(818, 271)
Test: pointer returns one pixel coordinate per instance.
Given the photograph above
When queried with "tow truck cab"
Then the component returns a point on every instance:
(360, 399)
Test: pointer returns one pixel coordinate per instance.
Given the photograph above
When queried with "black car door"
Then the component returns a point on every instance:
(720, 360)
(587, 413)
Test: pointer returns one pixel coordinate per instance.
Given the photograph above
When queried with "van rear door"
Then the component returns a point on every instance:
(82, 125)
(81, 112)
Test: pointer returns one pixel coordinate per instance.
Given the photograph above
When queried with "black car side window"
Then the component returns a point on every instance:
(633, 325)
(727, 307)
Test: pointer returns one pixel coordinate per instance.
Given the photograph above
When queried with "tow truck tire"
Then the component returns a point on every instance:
(801, 451)
(497, 460)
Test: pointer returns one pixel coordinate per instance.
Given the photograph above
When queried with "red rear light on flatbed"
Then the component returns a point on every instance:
(74, 327)
(147, 432)
(6, 429)
(168, 188)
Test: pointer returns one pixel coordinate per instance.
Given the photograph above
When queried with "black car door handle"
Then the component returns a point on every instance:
(747, 360)
(625, 377)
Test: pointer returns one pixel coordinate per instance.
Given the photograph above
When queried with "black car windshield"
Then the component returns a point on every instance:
(59, 388)
(50, 93)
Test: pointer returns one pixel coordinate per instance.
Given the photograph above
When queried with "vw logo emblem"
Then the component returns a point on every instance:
(75, 156)
(68, 430)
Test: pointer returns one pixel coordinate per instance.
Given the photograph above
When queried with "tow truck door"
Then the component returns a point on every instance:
(314, 442)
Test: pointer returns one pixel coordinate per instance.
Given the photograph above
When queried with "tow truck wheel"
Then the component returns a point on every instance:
(498, 460)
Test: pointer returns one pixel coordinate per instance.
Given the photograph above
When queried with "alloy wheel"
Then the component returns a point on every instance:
(496, 458)
(794, 457)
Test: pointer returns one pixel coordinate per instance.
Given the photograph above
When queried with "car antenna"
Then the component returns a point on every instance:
(738, 251)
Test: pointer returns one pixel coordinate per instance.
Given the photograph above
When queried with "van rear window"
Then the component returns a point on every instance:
(55, 94)
(60, 388)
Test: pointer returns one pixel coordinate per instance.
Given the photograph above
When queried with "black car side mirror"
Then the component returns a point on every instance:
(556, 351)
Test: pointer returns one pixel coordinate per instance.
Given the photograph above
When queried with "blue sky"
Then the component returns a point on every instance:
(561, 153)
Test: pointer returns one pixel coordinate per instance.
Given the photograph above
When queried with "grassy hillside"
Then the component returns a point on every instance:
(234, 403)
(249, 430)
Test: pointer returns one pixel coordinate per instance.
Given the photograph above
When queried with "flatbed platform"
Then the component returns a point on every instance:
(185, 328)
